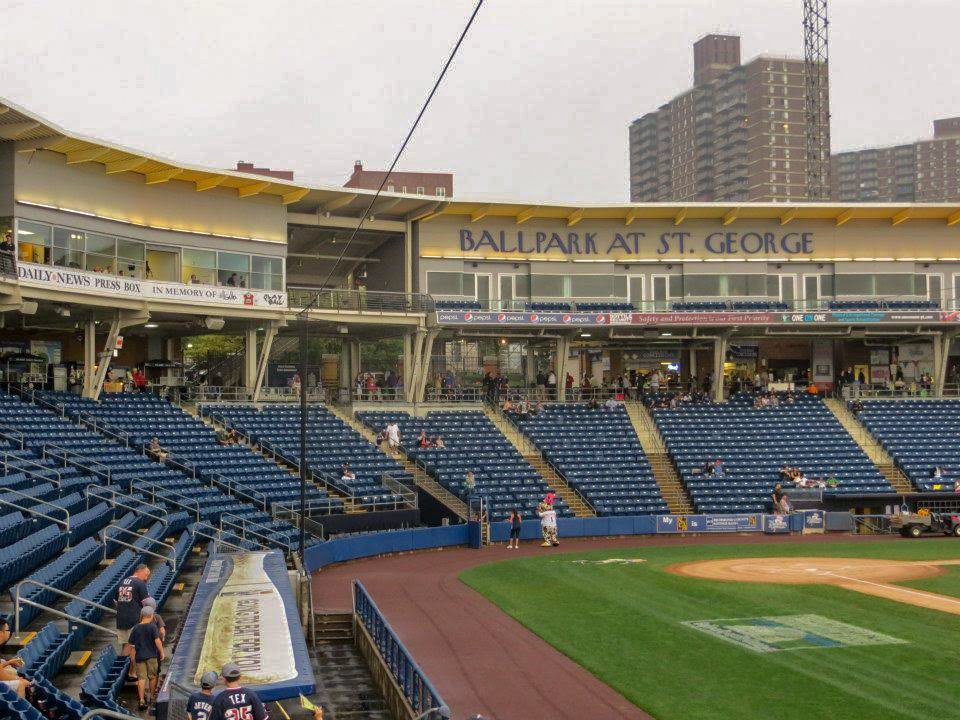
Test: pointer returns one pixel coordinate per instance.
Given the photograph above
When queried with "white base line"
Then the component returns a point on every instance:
(897, 588)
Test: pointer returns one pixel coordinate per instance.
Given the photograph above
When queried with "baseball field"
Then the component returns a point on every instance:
(835, 630)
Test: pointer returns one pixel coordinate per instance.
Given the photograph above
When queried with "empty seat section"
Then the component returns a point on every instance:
(920, 435)
(754, 444)
(331, 443)
(598, 453)
(503, 477)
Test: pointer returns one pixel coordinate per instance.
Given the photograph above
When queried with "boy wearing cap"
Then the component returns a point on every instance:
(236, 702)
(200, 704)
(157, 620)
(147, 653)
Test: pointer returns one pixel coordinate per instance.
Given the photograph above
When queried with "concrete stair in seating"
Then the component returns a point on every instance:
(421, 478)
(532, 455)
(664, 471)
(869, 444)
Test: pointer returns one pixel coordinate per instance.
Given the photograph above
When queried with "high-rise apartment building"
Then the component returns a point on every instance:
(737, 134)
(923, 171)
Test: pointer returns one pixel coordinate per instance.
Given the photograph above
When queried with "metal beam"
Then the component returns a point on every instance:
(162, 176)
(480, 213)
(788, 215)
(574, 217)
(731, 216)
(88, 155)
(121, 320)
(128, 165)
(252, 189)
(208, 183)
(263, 361)
(680, 216)
(294, 196)
(24, 146)
(383, 206)
(315, 256)
(844, 217)
(12, 131)
(426, 210)
(631, 216)
(337, 202)
(526, 214)
(954, 218)
(901, 216)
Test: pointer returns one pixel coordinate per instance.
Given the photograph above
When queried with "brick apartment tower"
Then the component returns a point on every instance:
(922, 171)
(737, 134)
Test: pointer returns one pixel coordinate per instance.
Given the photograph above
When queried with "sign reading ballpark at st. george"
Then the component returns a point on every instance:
(695, 240)
(626, 244)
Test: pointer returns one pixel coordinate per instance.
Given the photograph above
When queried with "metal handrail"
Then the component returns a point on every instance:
(31, 511)
(32, 463)
(242, 525)
(13, 435)
(151, 487)
(67, 459)
(215, 537)
(162, 558)
(93, 423)
(44, 586)
(361, 301)
(92, 490)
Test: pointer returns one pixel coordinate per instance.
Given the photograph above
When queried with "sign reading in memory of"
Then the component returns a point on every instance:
(83, 281)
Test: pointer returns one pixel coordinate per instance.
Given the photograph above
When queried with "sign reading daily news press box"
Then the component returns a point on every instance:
(82, 281)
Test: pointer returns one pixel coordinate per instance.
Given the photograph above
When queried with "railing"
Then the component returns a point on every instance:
(290, 511)
(18, 601)
(96, 492)
(33, 511)
(171, 497)
(361, 301)
(417, 689)
(216, 393)
(72, 459)
(912, 389)
(12, 435)
(99, 426)
(23, 465)
(245, 525)
(397, 488)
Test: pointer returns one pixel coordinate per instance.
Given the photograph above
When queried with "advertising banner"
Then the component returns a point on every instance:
(813, 521)
(708, 523)
(83, 281)
(244, 612)
(776, 523)
(852, 317)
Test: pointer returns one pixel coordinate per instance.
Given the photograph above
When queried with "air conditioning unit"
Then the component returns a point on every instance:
(214, 323)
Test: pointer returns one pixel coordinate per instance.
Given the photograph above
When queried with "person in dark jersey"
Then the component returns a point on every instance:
(236, 702)
(516, 522)
(131, 593)
(200, 704)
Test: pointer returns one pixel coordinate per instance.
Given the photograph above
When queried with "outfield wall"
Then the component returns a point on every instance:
(356, 547)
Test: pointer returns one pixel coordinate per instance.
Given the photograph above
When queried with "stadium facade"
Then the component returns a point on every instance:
(112, 243)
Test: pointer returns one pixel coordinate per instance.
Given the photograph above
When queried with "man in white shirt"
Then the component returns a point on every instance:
(393, 435)
(548, 525)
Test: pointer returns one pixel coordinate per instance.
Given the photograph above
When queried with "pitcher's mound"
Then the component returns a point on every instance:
(805, 570)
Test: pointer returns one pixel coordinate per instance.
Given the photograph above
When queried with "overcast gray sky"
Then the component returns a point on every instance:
(536, 106)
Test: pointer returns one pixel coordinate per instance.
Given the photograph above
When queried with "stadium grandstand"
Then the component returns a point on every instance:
(197, 379)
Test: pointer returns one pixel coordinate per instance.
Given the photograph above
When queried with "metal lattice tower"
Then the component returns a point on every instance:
(817, 98)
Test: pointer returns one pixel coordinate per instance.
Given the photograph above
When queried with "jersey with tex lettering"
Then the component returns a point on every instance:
(199, 706)
(238, 704)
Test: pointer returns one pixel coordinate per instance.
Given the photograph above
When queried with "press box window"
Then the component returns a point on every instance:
(33, 241)
(267, 273)
(199, 266)
(547, 286)
(67, 248)
(451, 283)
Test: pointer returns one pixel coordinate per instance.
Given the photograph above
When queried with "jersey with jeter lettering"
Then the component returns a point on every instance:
(238, 704)
(200, 706)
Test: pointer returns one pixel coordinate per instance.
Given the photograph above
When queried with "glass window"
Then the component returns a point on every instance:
(855, 285)
(591, 285)
(547, 286)
(235, 262)
(620, 286)
(267, 273)
(521, 286)
(99, 244)
(67, 248)
(33, 241)
(445, 283)
(99, 263)
(199, 267)
(701, 285)
(130, 250)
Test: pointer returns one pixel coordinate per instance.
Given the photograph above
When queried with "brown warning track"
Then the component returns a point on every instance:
(480, 659)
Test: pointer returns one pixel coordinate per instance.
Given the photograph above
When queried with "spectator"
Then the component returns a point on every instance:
(194, 280)
(611, 404)
(780, 505)
(347, 475)
(146, 655)
(139, 380)
(516, 522)
(200, 704)
(548, 525)
(422, 440)
(8, 668)
(861, 378)
(157, 452)
(232, 280)
(551, 380)
(936, 473)
(393, 435)
(7, 244)
(130, 596)
(718, 470)
(439, 444)
(831, 481)
(236, 702)
(157, 620)
(654, 380)
(295, 384)
(537, 410)
(469, 485)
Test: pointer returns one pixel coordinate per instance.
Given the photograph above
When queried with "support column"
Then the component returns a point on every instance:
(413, 377)
(692, 369)
(250, 360)
(346, 379)
(89, 357)
(424, 374)
(354, 346)
(264, 360)
(123, 319)
(941, 358)
(560, 366)
(719, 355)
(531, 369)
(407, 358)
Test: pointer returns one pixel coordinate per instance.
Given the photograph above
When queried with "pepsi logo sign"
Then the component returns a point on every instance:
(566, 318)
(468, 317)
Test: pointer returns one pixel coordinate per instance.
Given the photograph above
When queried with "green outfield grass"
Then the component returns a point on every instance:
(623, 623)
